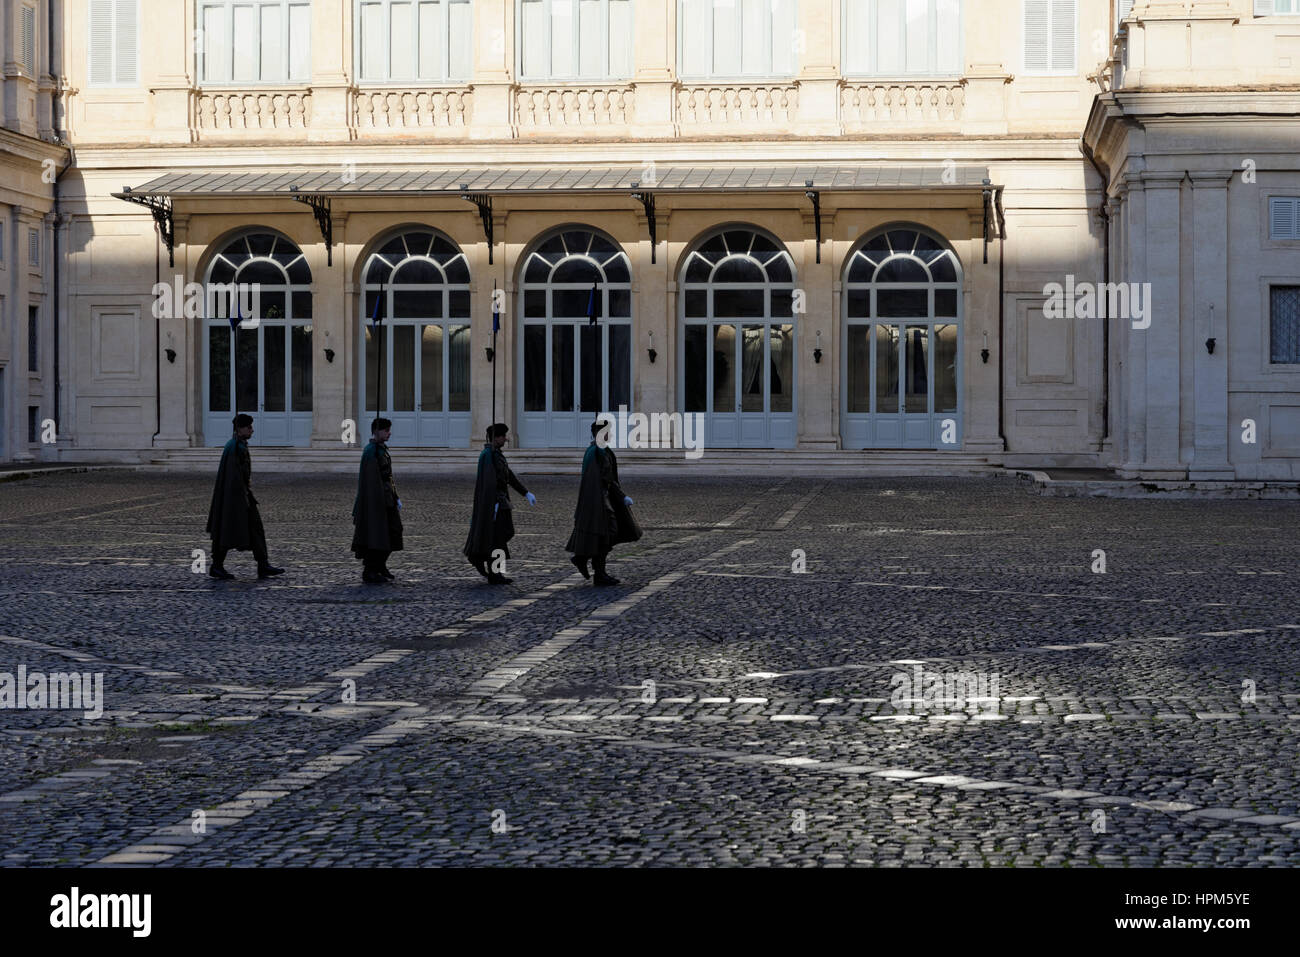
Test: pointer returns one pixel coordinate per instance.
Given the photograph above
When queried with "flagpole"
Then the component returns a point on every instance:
(495, 324)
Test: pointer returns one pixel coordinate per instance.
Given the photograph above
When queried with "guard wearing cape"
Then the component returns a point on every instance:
(376, 513)
(603, 517)
(233, 518)
(492, 525)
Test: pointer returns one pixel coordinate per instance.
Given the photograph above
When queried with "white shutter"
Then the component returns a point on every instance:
(695, 29)
(29, 40)
(620, 39)
(536, 60)
(1122, 9)
(125, 42)
(784, 53)
(1284, 217)
(100, 42)
(401, 41)
(433, 40)
(726, 38)
(460, 27)
(300, 41)
(1063, 14)
(1263, 8)
(271, 41)
(1038, 30)
(857, 21)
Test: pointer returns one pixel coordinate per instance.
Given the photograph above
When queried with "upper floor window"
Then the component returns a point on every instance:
(113, 42)
(402, 40)
(1284, 324)
(575, 39)
(1050, 27)
(253, 41)
(737, 38)
(1266, 8)
(896, 37)
(1284, 217)
(27, 50)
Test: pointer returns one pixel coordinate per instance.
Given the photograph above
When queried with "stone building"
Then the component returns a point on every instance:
(998, 232)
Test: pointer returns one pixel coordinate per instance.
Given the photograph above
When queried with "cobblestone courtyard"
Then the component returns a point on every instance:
(716, 708)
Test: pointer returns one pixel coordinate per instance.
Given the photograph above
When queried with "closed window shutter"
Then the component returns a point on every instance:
(33, 248)
(1284, 217)
(101, 41)
(1037, 34)
(29, 40)
(1124, 8)
(1263, 8)
(125, 41)
(1063, 35)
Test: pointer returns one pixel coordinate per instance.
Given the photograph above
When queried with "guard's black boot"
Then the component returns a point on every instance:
(480, 568)
(580, 562)
(216, 571)
(496, 578)
(268, 571)
(602, 578)
(387, 574)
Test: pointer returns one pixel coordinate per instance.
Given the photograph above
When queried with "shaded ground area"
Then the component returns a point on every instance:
(883, 672)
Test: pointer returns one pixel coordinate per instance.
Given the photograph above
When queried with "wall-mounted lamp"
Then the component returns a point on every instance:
(171, 354)
(491, 353)
(984, 353)
(1209, 343)
(817, 352)
(329, 355)
(651, 350)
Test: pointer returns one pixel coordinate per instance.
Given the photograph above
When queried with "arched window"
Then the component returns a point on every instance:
(900, 364)
(415, 329)
(737, 294)
(575, 353)
(258, 355)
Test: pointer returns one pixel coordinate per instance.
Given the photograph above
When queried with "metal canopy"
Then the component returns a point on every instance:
(525, 180)
(317, 187)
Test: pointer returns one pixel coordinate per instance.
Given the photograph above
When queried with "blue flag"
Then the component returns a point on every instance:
(374, 315)
(592, 305)
(235, 319)
(496, 313)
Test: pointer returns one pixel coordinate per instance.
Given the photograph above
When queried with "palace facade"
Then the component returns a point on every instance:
(1038, 232)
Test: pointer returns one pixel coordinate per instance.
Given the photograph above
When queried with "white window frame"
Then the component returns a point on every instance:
(445, 78)
(113, 47)
(1074, 66)
(574, 20)
(873, 69)
(766, 74)
(200, 62)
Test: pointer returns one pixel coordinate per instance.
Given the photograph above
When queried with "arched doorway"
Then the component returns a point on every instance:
(415, 331)
(738, 340)
(900, 365)
(259, 364)
(570, 369)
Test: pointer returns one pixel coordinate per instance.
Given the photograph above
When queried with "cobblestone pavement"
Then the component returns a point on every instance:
(719, 707)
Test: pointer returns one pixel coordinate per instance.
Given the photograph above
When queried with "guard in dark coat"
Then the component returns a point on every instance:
(604, 517)
(233, 519)
(376, 513)
(492, 525)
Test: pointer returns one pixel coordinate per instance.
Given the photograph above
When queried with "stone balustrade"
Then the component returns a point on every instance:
(864, 105)
(739, 104)
(217, 111)
(556, 106)
(401, 108)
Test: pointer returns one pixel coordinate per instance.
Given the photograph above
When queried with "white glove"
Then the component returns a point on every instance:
(627, 500)
(532, 499)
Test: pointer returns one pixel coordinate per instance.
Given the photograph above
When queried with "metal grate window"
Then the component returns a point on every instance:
(1284, 324)
(33, 247)
(33, 339)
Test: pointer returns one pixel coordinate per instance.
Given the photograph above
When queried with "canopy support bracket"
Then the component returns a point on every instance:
(320, 208)
(161, 207)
